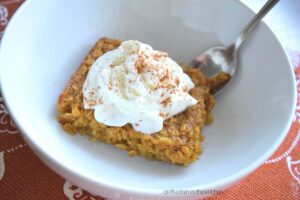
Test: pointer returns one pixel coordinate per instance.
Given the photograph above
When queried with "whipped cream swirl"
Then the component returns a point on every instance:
(138, 85)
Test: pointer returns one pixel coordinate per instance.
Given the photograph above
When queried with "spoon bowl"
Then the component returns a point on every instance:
(218, 61)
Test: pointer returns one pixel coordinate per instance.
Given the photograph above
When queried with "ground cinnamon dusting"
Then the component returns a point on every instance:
(166, 102)
(160, 55)
(177, 81)
(138, 65)
(162, 115)
(165, 77)
(92, 103)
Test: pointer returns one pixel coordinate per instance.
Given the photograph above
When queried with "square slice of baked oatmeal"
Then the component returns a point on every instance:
(179, 142)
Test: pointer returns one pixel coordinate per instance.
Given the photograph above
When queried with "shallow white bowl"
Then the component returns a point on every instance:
(46, 41)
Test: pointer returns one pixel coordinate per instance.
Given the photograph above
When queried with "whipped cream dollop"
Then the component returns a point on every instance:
(138, 85)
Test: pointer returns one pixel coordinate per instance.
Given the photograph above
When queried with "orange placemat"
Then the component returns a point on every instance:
(24, 176)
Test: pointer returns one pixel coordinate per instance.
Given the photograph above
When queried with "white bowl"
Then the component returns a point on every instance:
(46, 41)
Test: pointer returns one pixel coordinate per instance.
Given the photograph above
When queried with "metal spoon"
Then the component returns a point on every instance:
(223, 60)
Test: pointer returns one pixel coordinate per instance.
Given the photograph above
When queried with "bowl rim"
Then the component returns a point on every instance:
(47, 159)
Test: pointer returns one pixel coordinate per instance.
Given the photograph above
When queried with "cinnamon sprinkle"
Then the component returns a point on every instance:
(145, 55)
(165, 77)
(92, 102)
(185, 89)
(95, 102)
(100, 101)
(162, 115)
(139, 64)
(166, 102)
(159, 55)
(177, 81)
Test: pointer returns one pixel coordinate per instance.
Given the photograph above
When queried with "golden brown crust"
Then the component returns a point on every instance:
(180, 140)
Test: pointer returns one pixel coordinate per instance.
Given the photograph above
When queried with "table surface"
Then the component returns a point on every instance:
(24, 176)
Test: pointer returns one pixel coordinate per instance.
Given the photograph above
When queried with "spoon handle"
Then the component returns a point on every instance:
(257, 18)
